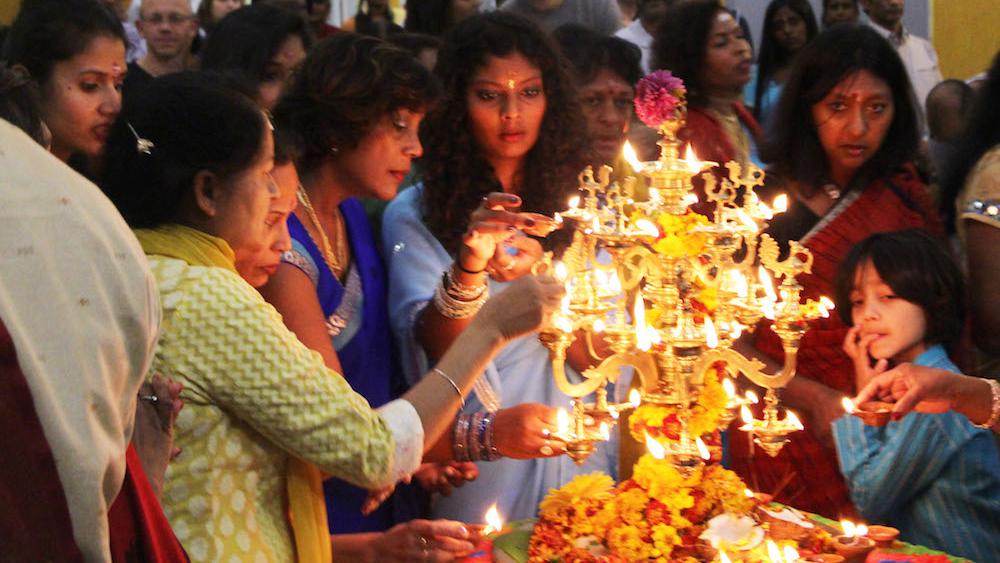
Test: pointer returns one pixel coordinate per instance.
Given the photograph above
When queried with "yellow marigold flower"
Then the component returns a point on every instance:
(591, 486)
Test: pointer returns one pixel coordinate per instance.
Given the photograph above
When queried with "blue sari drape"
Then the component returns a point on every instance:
(365, 349)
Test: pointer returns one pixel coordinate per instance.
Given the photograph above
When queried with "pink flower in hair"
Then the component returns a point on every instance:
(657, 96)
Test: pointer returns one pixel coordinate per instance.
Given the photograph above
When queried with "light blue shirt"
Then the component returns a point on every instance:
(520, 373)
(936, 477)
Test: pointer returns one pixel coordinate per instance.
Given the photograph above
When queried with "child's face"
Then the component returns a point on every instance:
(876, 309)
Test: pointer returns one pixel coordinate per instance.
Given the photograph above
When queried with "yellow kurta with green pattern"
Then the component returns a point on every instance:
(253, 394)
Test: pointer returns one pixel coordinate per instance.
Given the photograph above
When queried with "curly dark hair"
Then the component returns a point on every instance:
(347, 83)
(982, 132)
(919, 269)
(795, 152)
(680, 44)
(456, 175)
(773, 56)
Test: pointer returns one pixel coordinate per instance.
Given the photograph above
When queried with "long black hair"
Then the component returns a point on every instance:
(982, 132)
(195, 122)
(794, 150)
(773, 56)
(46, 32)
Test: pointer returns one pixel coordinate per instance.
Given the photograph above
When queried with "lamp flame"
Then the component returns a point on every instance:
(574, 202)
(693, 164)
(780, 204)
(655, 448)
(752, 397)
(598, 326)
(861, 530)
(647, 227)
(614, 283)
(642, 341)
(723, 558)
(493, 521)
(792, 419)
(604, 431)
(850, 530)
(848, 405)
(562, 422)
(561, 272)
(654, 335)
(702, 449)
(629, 153)
(748, 493)
(635, 397)
(827, 303)
(747, 418)
(558, 218)
(767, 284)
(791, 554)
(689, 199)
(727, 385)
(711, 337)
(773, 553)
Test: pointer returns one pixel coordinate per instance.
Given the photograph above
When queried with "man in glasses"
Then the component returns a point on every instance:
(169, 27)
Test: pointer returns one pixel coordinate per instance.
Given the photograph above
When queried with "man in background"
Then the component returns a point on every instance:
(169, 27)
(919, 56)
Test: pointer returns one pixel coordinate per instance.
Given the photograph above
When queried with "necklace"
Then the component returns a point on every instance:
(334, 256)
(832, 190)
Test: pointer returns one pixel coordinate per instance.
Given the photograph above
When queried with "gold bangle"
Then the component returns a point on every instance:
(453, 386)
(995, 411)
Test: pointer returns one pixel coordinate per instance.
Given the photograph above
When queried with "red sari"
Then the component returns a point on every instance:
(806, 470)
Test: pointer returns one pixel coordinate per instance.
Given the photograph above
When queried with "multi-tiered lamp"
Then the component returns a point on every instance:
(669, 291)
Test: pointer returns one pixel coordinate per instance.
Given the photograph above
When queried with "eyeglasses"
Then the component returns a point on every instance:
(172, 19)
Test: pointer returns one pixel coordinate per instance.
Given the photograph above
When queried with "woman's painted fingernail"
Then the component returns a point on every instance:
(529, 222)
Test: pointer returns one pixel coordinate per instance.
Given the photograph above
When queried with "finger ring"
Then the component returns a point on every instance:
(151, 398)
(423, 548)
(545, 450)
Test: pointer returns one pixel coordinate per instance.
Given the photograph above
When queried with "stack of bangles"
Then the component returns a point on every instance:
(473, 438)
(459, 301)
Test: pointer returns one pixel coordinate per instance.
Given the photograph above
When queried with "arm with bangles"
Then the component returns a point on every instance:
(522, 431)
(933, 390)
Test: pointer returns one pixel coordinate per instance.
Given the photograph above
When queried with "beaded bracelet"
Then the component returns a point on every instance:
(995, 412)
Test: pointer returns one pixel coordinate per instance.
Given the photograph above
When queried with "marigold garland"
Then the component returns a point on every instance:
(663, 423)
(657, 515)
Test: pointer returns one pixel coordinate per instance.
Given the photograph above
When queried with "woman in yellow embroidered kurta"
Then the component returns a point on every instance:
(255, 395)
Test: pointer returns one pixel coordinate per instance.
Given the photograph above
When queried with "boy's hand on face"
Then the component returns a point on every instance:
(856, 346)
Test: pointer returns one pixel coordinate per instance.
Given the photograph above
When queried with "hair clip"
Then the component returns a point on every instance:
(142, 145)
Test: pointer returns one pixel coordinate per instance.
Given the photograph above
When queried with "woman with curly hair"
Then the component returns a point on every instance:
(509, 125)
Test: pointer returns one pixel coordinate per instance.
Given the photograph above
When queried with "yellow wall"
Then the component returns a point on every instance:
(8, 9)
(965, 34)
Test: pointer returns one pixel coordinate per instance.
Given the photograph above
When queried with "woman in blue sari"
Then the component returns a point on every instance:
(510, 123)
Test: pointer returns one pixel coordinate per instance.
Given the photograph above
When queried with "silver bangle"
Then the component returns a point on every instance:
(459, 290)
(453, 386)
(453, 308)
(995, 410)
